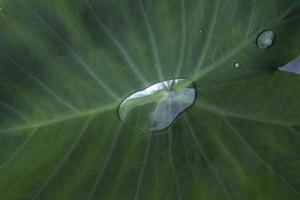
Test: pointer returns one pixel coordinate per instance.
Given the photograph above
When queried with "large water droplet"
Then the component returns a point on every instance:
(156, 107)
(265, 40)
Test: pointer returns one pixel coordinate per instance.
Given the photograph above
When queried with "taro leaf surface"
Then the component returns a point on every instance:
(66, 65)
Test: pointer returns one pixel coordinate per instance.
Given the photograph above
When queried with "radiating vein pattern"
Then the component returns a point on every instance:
(202, 153)
(152, 41)
(142, 171)
(78, 58)
(66, 156)
(118, 45)
(259, 158)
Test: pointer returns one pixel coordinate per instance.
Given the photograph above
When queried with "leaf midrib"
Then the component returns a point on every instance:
(220, 111)
(76, 115)
(199, 104)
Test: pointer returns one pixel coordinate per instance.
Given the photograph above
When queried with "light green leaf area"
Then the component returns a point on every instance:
(66, 65)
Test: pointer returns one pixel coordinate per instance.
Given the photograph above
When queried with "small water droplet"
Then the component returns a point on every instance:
(200, 31)
(1, 9)
(265, 40)
(156, 107)
(237, 65)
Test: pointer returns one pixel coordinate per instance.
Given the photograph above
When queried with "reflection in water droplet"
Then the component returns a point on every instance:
(265, 40)
(200, 31)
(156, 107)
(237, 65)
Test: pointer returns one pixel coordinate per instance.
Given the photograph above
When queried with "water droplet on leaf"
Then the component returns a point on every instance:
(237, 65)
(265, 40)
(156, 107)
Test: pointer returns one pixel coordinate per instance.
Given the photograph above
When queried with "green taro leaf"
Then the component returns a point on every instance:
(66, 66)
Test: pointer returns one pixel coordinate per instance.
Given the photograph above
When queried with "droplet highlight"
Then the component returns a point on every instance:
(265, 40)
(237, 65)
(156, 107)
